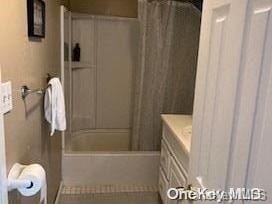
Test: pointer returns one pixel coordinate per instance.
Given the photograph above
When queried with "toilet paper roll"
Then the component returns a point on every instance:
(37, 176)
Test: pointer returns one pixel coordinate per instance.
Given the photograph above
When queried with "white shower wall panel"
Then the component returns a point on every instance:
(84, 34)
(83, 91)
(116, 59)
(101, 90)
(83, 75)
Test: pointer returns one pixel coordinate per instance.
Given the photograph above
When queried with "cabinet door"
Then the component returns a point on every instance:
(165, 158)
(177, 178)
(163, 186)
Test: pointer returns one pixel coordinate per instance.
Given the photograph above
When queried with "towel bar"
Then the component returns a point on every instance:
(25, 91)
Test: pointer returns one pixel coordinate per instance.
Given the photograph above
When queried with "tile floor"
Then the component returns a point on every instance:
(112, 198)
(110, 194)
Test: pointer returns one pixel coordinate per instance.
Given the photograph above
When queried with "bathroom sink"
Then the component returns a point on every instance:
(187, 131)
(181, 127)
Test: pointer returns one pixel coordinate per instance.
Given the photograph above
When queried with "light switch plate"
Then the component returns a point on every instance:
(6, 97)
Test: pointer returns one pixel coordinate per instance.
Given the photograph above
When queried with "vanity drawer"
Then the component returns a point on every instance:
(163, 187)
(165, 158)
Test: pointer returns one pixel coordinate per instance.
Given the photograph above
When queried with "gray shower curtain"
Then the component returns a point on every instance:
(164, 81)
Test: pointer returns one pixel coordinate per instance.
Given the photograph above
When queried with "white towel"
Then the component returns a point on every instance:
(54, 106)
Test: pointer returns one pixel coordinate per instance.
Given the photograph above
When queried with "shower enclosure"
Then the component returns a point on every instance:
(130, 71)
(98, 88)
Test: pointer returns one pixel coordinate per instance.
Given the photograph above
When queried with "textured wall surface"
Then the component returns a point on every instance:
(26, 62)
(124, 8)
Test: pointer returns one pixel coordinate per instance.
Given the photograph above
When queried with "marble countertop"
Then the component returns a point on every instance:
(178, 124)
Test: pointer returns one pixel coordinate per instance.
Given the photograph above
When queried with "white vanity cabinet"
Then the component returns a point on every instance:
(175, 150)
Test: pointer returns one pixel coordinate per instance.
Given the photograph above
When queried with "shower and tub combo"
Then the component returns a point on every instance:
(130, 71)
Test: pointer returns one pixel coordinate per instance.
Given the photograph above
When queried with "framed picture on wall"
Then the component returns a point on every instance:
(36, 18)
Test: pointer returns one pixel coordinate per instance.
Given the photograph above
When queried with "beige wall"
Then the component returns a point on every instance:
(124, 8)
(65, 3)
(27, 62)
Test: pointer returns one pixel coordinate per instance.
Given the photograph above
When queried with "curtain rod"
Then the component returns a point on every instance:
(197, 3)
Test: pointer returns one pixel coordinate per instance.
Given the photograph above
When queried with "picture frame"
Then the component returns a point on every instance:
(36, 18)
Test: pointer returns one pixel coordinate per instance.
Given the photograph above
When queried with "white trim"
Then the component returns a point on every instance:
(113, 153)
(3, 169)
(70, 73)
(62, 63)
(59, 193)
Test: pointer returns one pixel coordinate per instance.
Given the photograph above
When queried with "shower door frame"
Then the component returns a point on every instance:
(3, 169)
(63, 9)
(66, 78)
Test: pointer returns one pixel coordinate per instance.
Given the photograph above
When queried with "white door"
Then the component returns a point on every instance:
(3, 176)
(232, 125)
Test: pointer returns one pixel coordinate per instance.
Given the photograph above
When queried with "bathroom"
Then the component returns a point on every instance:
(157, 94)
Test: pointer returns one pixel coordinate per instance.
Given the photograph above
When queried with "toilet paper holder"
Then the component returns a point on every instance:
(13, 181)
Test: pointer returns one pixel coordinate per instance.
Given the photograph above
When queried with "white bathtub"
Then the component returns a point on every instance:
(105, 168)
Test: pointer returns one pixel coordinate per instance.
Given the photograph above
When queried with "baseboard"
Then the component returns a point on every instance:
(59, 193)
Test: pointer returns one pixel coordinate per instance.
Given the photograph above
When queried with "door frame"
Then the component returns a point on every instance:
(63, 9)
(3, 169)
